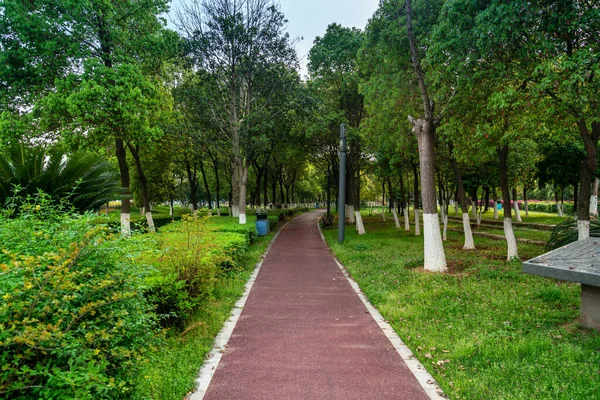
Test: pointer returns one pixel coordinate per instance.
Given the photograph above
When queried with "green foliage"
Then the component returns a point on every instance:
(86, 180)
(73, 321)
(549, 207)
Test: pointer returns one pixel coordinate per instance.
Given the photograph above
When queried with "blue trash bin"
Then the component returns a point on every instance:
(499, 206)
(262, 223)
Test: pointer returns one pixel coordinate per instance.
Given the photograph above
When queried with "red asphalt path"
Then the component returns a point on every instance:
(305, 334)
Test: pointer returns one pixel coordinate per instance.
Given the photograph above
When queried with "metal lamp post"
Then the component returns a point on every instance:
(342, 186)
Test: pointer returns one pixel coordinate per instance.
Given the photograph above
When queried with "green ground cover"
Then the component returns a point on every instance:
(89, 314)
(484, 330)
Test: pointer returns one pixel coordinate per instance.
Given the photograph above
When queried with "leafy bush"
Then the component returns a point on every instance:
(185, 259)
(73, 320)
(549, 207)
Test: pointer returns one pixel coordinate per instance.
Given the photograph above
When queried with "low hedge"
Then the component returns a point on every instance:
(549, 207)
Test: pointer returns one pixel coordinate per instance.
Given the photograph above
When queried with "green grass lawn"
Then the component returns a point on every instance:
(533, 218)
(484, 330)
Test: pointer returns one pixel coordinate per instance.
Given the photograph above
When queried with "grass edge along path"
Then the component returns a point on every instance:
(171, 373)
(485, 330)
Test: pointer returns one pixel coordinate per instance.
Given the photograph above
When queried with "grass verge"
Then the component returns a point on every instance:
(484, 330)
(171, 372)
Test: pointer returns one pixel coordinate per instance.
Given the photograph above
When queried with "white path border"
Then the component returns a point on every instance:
(425, 379)
(214, 356)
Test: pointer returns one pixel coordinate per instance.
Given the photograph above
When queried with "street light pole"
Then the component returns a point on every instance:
(342, 186)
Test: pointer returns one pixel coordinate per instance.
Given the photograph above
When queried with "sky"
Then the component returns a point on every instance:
(308, 19)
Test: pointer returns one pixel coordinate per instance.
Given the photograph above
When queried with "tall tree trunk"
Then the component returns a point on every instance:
(487, 199)
(508, 229)
(495, 204)
(206, 187)
(193, 181)
(135, 153)
(266, 187)
(391, 195)
(259, 175)
(328, 191)
(125, 184)
(575, 197)
(218, 186)
(525, 203)
(474, 203)
(594, 199)
(462, 199)
(557, 201)
(424, 130)
(242, 193)
(416, 200)
(516, 206)
(383, 201)
(281, 193)
(404, 201)
(588, 167)
(274, 186)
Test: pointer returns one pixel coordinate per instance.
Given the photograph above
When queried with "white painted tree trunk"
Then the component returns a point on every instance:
(350, 214)
(510, 239)
(495, 209)
(417, 222)
(360, 227)
(406, 220)
(383, 212)
(445, 234)
(559, 209)
(469, 243)
(478, 218)
(150, 222)
(242, 218)
(395, 215)
(218, 211)
(235, 210)
(517, 211)
(170, 210)
(142, 210)
(435, 258)
(583, 230)
(593, 205)
(125, 224)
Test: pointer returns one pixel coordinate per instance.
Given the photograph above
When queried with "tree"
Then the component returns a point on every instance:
(86, 49)
(424, 130)
(334, 70)
(241, 43)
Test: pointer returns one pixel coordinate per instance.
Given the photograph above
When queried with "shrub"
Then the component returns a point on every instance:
(86, 179)
(184, 263)
(73, 321)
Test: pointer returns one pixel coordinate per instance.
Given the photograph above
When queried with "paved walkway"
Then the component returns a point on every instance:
(305, 334)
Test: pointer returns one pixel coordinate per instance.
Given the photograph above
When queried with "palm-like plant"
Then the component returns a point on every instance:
(86, 179)
(566, 232)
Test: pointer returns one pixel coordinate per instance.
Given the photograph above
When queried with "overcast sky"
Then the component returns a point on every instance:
(309, 19)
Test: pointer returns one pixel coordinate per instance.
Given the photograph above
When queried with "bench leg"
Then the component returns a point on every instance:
(590, 307)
